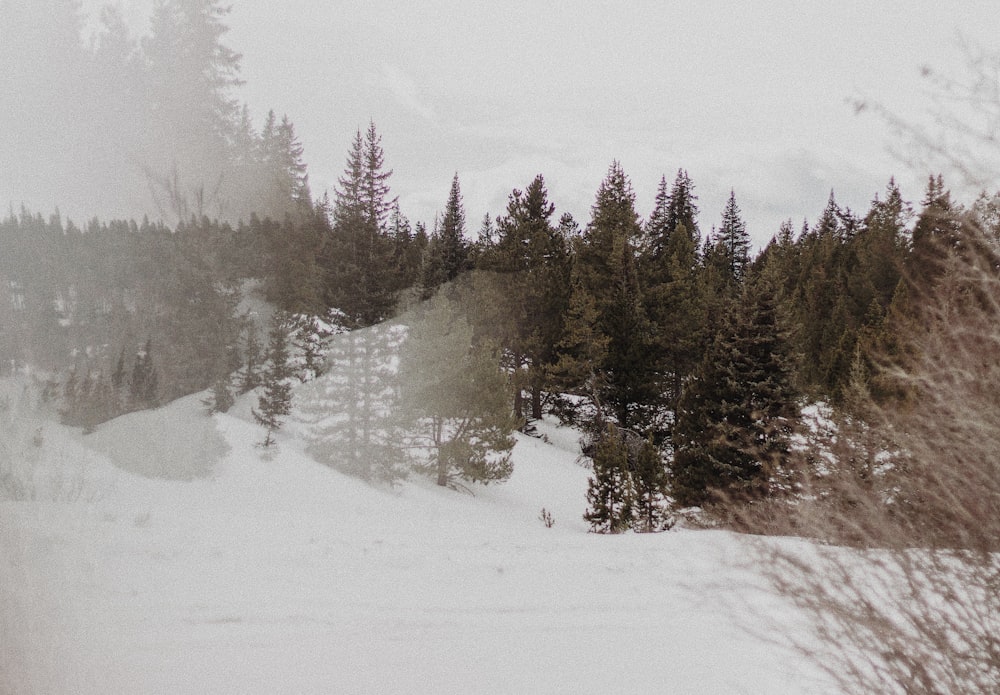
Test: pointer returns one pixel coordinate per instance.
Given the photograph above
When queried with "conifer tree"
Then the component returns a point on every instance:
(253, 360)
(532, 293)
(191, 115)
(651, 484)
(735, 416)
(352, 410)
(610, 491)
(455, 399)
(581, 351)
(143, 386)
(605, 269)
(358, 257)
(938, 227)
(220, 398)
(275, 402)
(682, 208)
(454, 247)
(734, 239)
(285, 172)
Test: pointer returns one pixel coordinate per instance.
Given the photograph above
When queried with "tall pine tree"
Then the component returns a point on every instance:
(736, 415)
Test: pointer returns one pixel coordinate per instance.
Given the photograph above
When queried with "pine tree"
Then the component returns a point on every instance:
(651, 483)
(253, 360)
(453, 244)
(143, 386)
(610, 491)
(532, 293)
(455, 399)
(581, 351)
(358, 257)
(191, 116)
(938, 229)
(220, 398)
(375, 188)
(352, 410)
(682, 208)
(734, 239)
(285, 177)
(735, 417)
(605, 269)
(276, 400)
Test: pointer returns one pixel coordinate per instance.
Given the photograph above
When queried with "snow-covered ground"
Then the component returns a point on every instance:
(184, 560)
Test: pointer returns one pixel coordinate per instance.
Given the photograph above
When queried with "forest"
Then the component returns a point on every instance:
(666, 332)
(837, 384)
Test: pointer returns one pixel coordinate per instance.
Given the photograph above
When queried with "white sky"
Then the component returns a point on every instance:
(752, 96)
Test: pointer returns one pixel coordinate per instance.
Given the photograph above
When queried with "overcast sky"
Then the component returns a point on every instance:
(750, 96)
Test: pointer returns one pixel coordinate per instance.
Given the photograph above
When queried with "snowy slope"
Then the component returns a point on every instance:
(198, 565)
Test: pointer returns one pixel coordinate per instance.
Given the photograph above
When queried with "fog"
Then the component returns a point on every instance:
(745, 98)
(100, 123)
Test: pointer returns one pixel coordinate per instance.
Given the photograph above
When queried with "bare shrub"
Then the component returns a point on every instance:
(903, 499)
(31, 469)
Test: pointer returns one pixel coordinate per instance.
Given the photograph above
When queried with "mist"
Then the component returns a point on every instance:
(106, 123)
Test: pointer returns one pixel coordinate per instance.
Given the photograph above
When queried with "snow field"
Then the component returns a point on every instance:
(222, 569)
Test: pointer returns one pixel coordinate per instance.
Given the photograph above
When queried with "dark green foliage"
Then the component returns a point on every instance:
(835, 283)
(682, 210)
(733, 239)
(737, 413)
(605, 269)
(357, 258)
(582, 349)
(275, 402)
(610, 491)
(651, 483)
(454, 247)
(455, 399)
(531, 294)
(671, 280)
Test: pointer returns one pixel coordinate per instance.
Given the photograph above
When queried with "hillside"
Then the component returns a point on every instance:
(183, 560)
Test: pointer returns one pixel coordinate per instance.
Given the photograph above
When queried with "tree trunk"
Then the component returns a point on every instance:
(536, 401)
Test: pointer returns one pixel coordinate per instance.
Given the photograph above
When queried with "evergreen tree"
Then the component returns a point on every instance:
(735, 416)
(358, 257)
(375, 188)
(532, 294)
(682, 208)
(432, 272)
(651, 484)
(253, 360)
(191, 114)
(351, 411)
(407, 249)
(220, 398)
(581, 351)
(276, 400)
(610, 491)
(453, 244)
(657, 230)
(284, 171)
(605, 268)
(144, 383)
(734, 239)
(455, 399)
(938, 228)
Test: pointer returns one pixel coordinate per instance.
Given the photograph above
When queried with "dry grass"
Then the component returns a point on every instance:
(903, 499)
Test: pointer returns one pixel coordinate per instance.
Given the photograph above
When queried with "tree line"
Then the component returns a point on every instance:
(666, 340)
